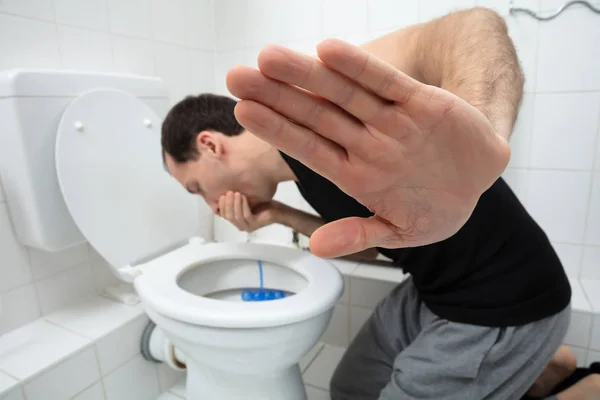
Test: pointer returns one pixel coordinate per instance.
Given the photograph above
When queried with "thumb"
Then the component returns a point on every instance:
(350, 235)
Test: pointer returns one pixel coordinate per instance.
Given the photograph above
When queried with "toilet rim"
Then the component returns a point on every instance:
(158, 288)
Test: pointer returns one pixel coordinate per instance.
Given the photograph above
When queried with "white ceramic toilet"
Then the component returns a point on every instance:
(80, 161)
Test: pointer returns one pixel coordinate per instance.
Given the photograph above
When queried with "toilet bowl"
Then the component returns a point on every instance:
(235, 349)
(110, 173)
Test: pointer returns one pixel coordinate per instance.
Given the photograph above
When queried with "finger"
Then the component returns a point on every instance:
(246, 213)
(237, 211)
(350, 235)
(316, 152)
(299, 105)
(376, 75)
(229, 207)
(295, 68)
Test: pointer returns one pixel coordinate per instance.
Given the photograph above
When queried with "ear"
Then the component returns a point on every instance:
(207, 141)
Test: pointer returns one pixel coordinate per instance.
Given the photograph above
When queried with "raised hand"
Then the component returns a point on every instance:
(416, 155)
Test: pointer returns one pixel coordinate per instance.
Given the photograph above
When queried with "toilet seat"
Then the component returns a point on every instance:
(110, 171)
(110, 203)
(157, 286)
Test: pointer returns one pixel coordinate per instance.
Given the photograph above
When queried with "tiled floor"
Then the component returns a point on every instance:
(317, 367)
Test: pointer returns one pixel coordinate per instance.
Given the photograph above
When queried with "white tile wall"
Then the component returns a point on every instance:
(173, 40)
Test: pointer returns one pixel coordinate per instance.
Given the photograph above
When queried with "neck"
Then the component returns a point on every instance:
(266, 159)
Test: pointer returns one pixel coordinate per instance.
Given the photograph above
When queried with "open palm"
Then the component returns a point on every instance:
(416, 155)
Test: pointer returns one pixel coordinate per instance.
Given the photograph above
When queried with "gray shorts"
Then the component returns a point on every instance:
(404, 351)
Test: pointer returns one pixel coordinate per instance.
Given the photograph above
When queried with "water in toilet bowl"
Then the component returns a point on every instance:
(262, 294)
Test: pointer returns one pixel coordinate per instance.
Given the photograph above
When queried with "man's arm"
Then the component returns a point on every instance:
(306, 224)
(468, 53)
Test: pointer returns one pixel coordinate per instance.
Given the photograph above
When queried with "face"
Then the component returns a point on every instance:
(217, 170)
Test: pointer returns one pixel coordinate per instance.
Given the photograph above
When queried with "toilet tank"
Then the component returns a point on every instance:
(31, 105)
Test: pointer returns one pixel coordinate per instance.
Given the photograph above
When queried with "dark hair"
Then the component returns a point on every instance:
(193, 115)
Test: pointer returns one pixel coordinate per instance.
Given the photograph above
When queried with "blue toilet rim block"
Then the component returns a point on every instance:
(262, 294)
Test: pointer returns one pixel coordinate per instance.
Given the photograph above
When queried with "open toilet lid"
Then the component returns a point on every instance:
(111, 174)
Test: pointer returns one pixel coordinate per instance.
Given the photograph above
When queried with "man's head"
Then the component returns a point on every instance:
(210, 153)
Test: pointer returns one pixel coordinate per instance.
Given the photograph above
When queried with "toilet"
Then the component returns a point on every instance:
(80, 161)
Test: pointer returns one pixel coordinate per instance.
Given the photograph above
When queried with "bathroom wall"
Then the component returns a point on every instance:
(171, 39)
(555, 167)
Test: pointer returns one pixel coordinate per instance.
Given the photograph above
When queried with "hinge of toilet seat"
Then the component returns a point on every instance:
(129, 272)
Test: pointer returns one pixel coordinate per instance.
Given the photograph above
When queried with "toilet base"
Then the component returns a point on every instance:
(206, 383)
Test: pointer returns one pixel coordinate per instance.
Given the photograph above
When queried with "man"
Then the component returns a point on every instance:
(399, 146)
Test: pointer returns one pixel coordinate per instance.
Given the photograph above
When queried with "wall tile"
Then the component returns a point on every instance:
(270, 15)
(569, 52)
(14, 394)
(202, 72)
(103, 274)
(44, 264)
(368, 292)
(501, 6)
(20, 306)
(592, 357)
(580, 355)
(520, 140)
(14, 263)
(65, 287)
(354, 20)
(85, 50)
(7, 384)
(172, 65)
(558, 202)
(578, 333)
(317, 394)
(430, 9)
(73, 375)
(337, 333)
(94, 317)
(518, 180)
(391, 14)
(301, 20)
(118, 384)
(310, 356)
(91, 14)
(26, 43)
(223, 63)
(592, 233)
(565, 129)
(121, 345)
(36, 346)
(200, 24)
(233, 25)
(579, 297)
(595, 339)
(130, 18)
(94, 392)
(168, 21)
(592, 292)
(38, 9)
(570, 257)
(590, 265)
(134, 56)
(320, 371)
(167, 376)
(524, 32)
(358, 317)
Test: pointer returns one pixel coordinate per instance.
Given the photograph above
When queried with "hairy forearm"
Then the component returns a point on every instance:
(470, 54)
(306, 224)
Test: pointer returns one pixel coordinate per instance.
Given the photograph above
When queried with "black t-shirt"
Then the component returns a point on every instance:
(499, 269)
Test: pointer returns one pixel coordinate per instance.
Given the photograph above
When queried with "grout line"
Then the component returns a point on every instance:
(314, 358)
(67, 329)
(316, 387)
